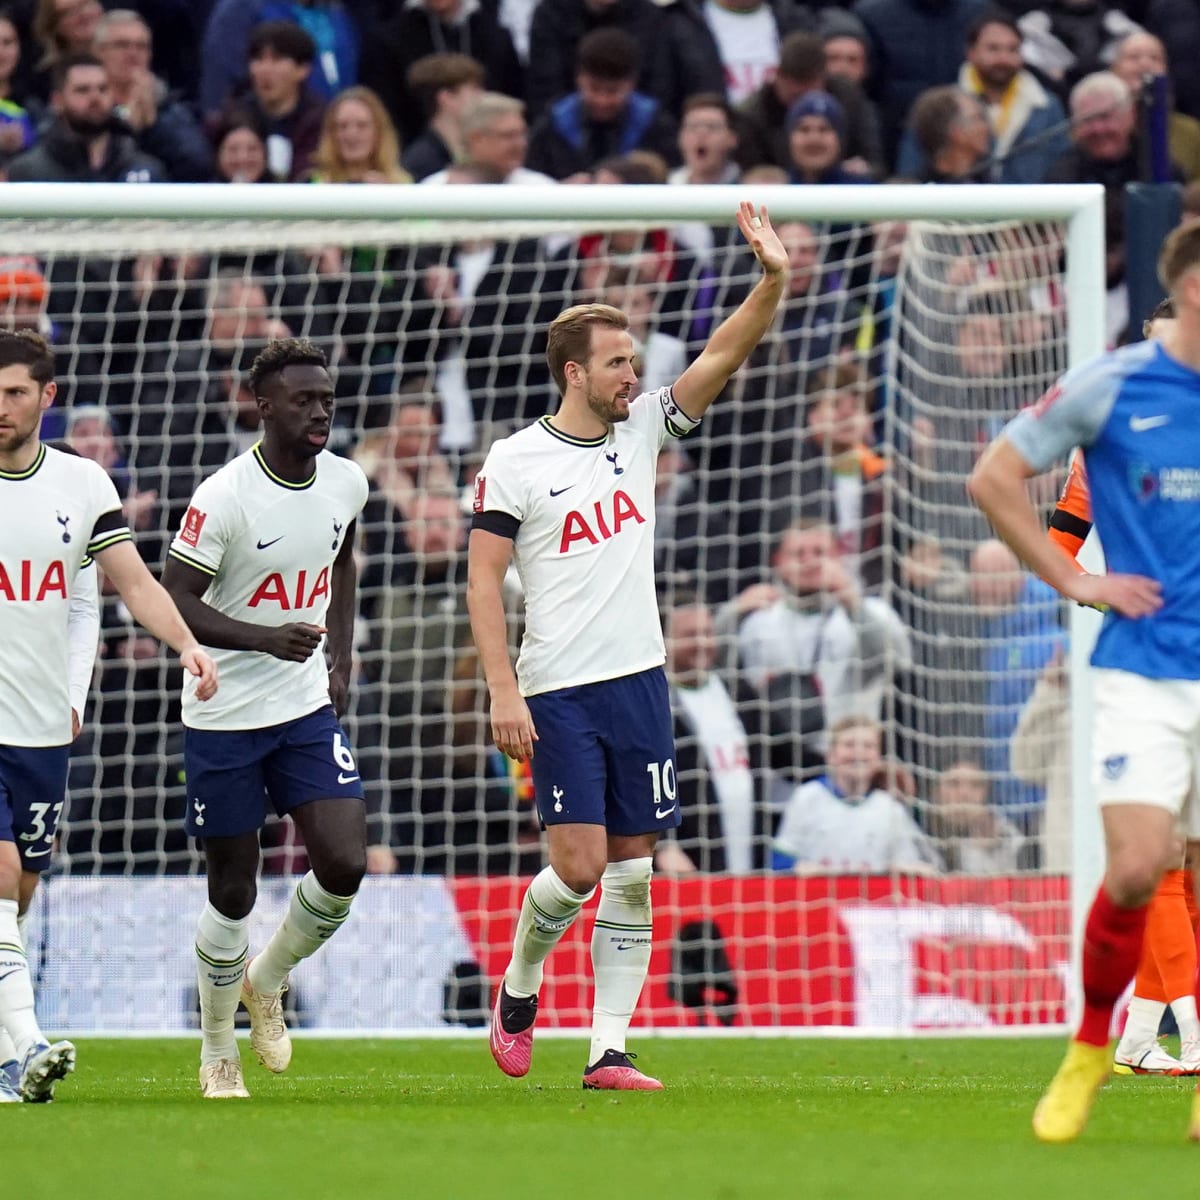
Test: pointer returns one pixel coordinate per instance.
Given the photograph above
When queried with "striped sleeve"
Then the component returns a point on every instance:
(109, 529)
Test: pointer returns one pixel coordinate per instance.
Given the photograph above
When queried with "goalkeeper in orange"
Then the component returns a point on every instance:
(1166, 972)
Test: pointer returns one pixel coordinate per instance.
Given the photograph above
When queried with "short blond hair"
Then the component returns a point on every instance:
(570, 336)
(1180, 254)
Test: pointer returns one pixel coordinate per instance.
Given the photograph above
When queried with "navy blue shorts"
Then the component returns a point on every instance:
(33, 785)
(605, 755)
(231, 774)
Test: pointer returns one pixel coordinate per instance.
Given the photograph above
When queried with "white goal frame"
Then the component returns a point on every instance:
(1080, 206)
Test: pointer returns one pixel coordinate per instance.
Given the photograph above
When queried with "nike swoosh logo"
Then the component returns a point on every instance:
(38, 853)
(225, 982)
(8, 973)
(1141, 424)
(664, 812)
(346, 778)
(560, 491)
(263, 545)
(505, 1046)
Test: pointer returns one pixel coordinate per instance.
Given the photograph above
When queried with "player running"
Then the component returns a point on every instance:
(571, 498)
(263, 568)
(70, 514)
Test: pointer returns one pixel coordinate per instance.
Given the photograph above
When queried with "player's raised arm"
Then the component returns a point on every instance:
(343, 597)
(153, 608)
(743, 329)
(488, 556)
(295, 642)
(997, 485)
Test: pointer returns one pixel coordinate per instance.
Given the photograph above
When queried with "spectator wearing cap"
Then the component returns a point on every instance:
(763, 128)
(605, 116)
(816, 126)
(23, 293)
(847, 47)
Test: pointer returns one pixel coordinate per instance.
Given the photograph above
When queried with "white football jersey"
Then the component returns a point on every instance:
(269, 546)
(58, 513)
(584, 543)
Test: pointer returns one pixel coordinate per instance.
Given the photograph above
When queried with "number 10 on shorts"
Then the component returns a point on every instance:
(662, 780)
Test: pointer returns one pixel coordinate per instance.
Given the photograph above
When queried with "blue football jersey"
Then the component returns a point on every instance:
(1135, 412)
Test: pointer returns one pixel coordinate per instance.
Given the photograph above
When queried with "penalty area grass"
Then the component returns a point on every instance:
(752, 1118)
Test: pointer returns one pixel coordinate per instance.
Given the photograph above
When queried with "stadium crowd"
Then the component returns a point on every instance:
(863, 679)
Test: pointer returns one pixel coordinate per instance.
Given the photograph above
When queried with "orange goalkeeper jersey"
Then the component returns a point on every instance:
(1072, 520)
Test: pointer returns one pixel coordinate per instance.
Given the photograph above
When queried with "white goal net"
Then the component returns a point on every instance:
(901, 349)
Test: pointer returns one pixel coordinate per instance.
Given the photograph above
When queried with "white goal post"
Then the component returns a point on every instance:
(106, 220)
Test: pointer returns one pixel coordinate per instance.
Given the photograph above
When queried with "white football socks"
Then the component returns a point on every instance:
(1141, 1026)
(1184, 1011)
(621, 942)
(221, 944)
(548, 910)
(16, 985)
(313, 917)
(8, 1048)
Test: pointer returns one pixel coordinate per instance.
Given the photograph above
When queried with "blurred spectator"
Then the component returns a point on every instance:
(816, 128)
(707, 142)
(559, 26)
(1141, 56)
(972, 837)
(358, 142)
(952, 135)
(846, 45)
(763, 131)
(422, 27)
(1019, 634)
(604, 116)
(694, 542)
(1064, 40)
(838, 477)
(843, 822)
(240, 143)
(1177, 24)
(281, 60)
(330, 24)
(720, 761)
(1028, 124)
(404, 458)
(1104, 129)
(1041, 757)
(90, 433)
(731, 46)
(160, 121)
(496, 140)
(813, 645)
(915, 45)
(1189, 202)
(18, 109)
(708, 145)
(84, 144)
(445, 84)
(62, 28)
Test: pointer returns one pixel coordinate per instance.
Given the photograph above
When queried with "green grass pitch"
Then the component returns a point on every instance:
(423, 1120)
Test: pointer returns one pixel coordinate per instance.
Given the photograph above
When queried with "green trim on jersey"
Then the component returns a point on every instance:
(191, 562)
(105, 540)
(544, 422)
(30, 470)
(256, 450)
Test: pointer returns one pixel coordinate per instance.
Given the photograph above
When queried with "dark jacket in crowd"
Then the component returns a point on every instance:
(61, 156)
(565, 140)
(177, 141)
